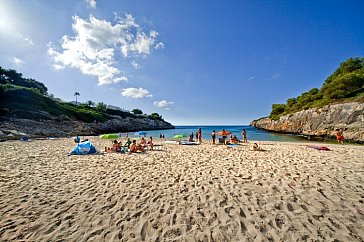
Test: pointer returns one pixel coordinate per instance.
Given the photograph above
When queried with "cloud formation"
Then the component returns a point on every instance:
(16, 61)
(91, 3)
(96, 43)
(135, 92)
(163, 104)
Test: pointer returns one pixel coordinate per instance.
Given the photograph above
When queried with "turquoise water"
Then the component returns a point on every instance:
(252, 133)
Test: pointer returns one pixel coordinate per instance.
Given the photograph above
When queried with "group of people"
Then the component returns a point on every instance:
(232, 140)
(198, 136)
(130, 146)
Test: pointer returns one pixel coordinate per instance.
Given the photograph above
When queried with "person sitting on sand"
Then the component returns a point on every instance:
(191, 138)
(234, 140)
(115, 147)
(143, 142)
(134, 148)
(128, 143)
(256, 147)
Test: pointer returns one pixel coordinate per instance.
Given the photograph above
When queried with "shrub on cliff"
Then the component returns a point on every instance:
(347, 82)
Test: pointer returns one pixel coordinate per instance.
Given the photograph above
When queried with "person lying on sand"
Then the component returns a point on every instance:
(256, 147)
(134, 148)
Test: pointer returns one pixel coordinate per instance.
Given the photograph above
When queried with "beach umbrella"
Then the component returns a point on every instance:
(109, 136)
(141, 133)
(179, 136)
(223, 133)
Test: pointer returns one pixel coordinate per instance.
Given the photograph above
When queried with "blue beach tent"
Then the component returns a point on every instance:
(84, 148)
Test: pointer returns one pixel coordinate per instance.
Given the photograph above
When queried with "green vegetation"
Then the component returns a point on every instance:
(345, 84)
(26, 98)
(137, 111)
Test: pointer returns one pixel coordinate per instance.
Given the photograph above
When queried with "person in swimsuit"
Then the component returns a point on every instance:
(244, 136)
(213, 136)
(340, 137)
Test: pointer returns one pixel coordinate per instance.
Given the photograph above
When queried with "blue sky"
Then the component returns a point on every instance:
(193, 62)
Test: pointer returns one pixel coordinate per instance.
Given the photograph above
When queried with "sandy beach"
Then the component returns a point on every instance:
(184, 193)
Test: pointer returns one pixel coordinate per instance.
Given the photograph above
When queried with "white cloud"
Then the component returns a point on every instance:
(135, 92)
(251, 78)
(163, 104)
(135, 64)
(16, 61)
(96, 43)
(28, 40)
(91, 3)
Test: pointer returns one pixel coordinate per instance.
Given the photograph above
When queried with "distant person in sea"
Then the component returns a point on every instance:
(160, 136)
(340, 136)
(199, 135)
(244, 136)
(213, 136)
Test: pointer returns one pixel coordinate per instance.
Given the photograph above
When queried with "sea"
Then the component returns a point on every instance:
(252, 133)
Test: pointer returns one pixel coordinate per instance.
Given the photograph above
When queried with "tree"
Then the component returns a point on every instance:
(90, 103)
(137, 111)
(76, 94)
(101, 107)
(155, 116)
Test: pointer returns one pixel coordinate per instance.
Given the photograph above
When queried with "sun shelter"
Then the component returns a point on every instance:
(84, 148)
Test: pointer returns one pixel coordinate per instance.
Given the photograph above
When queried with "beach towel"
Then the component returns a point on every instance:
(84, 148)
(189, 143)
(316, 147)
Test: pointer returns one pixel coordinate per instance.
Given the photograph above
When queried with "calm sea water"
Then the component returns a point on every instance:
(252, 133)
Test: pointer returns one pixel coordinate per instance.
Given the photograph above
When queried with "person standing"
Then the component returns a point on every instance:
(340, 136)
(199, 135)
(244, 136)
(213, 136)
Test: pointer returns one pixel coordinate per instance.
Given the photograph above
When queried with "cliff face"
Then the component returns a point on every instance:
(16, 128)
(321, 122)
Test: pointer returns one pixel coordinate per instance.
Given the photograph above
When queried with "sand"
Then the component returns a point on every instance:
(183, 193)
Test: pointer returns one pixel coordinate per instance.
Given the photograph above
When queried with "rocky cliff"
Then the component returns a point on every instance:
(16, 128)
(321, 122)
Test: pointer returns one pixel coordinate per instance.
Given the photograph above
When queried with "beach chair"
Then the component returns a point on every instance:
(222, 141)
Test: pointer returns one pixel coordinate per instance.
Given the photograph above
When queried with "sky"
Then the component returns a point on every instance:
(195, 62)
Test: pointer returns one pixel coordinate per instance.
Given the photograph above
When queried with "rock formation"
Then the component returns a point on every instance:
(16, 128)
(320, 122)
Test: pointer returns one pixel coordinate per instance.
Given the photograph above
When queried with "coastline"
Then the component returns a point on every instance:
(290, 192)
